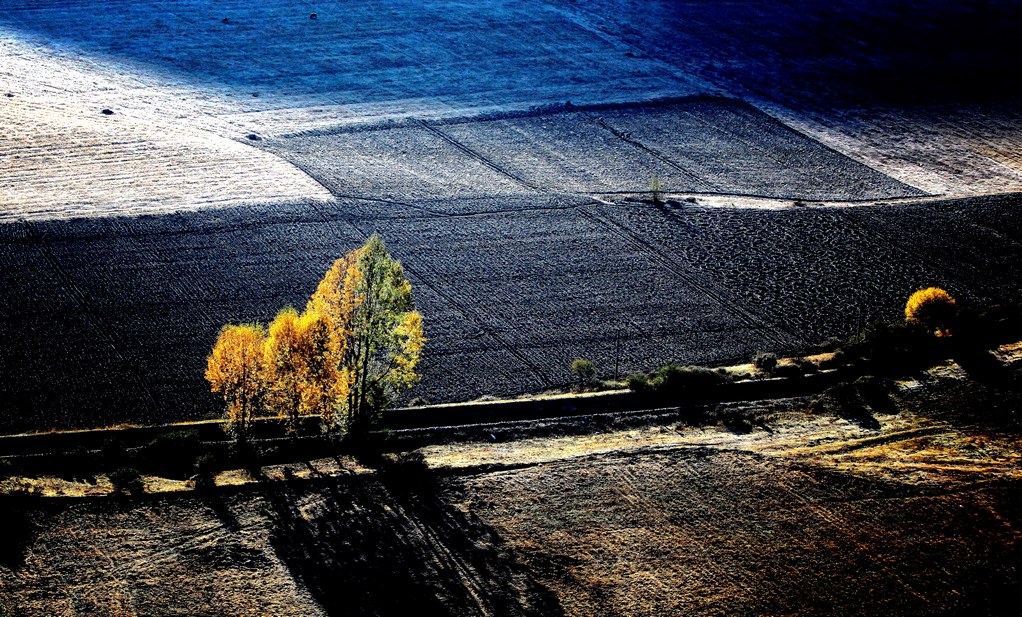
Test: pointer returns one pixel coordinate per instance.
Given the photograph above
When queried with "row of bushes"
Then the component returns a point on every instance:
(935, 328)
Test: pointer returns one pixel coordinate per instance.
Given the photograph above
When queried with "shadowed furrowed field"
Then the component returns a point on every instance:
(110, 320)
(703, 532)
(916, 517)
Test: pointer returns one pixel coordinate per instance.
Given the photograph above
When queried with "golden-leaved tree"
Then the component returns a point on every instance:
(285, 358)
(235, 369)
(344, 359)
(379, 335)
(932, 308)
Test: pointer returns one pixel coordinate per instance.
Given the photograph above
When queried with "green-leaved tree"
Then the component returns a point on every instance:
(368, 298)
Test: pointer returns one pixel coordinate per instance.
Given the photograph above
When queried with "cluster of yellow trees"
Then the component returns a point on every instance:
(354, 347)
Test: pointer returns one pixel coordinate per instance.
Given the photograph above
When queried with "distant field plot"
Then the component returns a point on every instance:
(738, 150)
(436, 55)
(699, 145)
(568, 152)
(154, 151)
(915, 90)
(408, 163)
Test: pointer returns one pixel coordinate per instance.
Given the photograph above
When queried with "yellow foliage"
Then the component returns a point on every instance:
(285, 359)
(235, 370)
(411, 340)
(932, 308)
(324, 385)
(354, 347)
(335, 299)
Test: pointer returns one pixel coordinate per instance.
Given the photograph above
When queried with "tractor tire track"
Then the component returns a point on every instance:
(626, 138)
(92, 315)
(720, 297)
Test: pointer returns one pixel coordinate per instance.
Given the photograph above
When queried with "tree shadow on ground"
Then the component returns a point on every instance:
(391, 544)
(20, 516)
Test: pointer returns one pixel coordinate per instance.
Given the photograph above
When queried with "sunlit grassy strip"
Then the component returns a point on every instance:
(909, 448)
(796, 429)
(51, 486)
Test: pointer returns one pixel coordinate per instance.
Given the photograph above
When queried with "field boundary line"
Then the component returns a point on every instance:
(635, 143)
(482, 158)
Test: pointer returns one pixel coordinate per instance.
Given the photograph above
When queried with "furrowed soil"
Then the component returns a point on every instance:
(110, 320)
(169, 166)
(173, 166)
(799, 514)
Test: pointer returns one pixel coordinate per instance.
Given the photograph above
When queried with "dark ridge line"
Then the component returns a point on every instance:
(635, 143)
(548, 109)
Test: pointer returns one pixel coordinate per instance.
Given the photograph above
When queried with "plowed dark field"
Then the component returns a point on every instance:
(110, 320)
(514, 209)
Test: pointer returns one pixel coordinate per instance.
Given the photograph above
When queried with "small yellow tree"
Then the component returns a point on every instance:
(355, 347)
(235, 370)
(285, 357)
(323, 385)
(933, 308)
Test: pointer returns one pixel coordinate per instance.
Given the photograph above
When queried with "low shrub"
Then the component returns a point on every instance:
(584, 372)
(831, 344)
(765, 362)
(656, 189)
(127, 480)
(805, 366)
(672, 381)
(637, 382)
(933, 309)
(788, 371)
(838, 359)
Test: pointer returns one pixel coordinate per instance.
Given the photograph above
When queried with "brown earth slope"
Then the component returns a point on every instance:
(788, 513)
